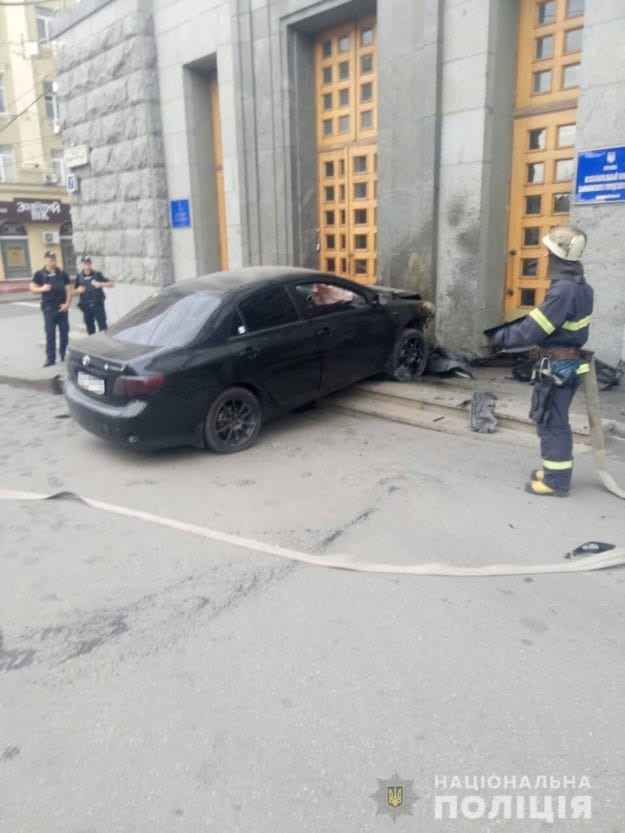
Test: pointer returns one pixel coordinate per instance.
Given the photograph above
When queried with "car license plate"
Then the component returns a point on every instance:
(90, 383)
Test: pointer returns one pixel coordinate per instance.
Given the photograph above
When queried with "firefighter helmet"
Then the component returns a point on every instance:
(566, 242)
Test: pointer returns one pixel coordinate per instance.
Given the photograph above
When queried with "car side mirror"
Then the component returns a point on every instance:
(384, 298)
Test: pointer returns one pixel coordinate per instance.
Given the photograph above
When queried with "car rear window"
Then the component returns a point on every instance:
(166, 320)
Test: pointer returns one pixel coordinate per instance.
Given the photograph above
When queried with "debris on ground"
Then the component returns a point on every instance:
(483, 418)
(608, 376)
(444, 362)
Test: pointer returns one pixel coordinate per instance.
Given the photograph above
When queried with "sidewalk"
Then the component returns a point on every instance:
(8, 286)
(436, 403)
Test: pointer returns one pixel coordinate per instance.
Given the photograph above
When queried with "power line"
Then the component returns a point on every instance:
(33, 141)
(15, 118)
(34, 87)
(26, 3)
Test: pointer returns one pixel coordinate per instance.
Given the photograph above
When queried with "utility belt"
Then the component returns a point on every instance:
(88, 303)
(556, 367)
(560, 353)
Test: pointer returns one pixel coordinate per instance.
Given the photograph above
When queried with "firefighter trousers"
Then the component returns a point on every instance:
(556, 439)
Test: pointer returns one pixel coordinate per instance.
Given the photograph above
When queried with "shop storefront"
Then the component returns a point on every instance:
(29, 227)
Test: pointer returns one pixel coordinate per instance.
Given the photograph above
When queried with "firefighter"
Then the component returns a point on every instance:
(559, 326)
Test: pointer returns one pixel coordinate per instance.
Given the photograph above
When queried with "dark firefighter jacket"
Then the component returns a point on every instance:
(563, 318)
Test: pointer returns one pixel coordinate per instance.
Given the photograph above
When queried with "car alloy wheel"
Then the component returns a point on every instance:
(233, 421)
(410, 356)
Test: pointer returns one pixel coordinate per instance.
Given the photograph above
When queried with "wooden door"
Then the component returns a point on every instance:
(219, 173)
(548, 66)
(346, 90)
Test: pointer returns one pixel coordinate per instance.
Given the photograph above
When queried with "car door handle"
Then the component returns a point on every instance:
(248, 353)
(325, 331)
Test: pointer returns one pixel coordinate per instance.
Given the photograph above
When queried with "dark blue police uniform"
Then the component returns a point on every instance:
(52, 315)
(560, 326)
(91, 301)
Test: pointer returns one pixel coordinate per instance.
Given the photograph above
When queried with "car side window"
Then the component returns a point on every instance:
(320, 298)
(269, 308)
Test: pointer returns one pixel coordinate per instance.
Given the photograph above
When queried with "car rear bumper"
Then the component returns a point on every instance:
(134, 424)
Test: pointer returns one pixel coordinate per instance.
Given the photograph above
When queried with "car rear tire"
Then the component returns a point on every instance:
(233, 421)
(409, 357)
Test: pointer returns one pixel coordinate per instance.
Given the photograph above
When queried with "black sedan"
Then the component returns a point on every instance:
(206, 361)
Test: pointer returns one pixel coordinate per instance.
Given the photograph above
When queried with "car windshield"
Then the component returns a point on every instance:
(166, 320)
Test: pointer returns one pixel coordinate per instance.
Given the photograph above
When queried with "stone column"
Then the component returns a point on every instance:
(408, 142)
(109, 101)
(478, 73)
(600, 121)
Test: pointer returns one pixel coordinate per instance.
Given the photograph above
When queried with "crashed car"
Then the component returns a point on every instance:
(207, 361)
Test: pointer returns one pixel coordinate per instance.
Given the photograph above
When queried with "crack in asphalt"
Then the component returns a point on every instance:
(341, 530)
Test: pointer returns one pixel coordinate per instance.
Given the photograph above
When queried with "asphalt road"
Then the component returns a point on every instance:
(153, 681)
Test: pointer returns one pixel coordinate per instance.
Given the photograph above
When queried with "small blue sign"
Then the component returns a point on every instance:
(600, 176)
(180, 213)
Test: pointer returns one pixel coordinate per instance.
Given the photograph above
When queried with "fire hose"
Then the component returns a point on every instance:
(615, 557)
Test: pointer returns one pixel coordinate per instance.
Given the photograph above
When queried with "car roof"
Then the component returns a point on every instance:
(220, 283)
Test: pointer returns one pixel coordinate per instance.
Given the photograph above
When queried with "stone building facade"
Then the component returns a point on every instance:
(34, 205)
(219, 105)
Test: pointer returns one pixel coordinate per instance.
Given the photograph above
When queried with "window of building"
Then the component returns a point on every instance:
(15, 252)
(546, 12)
(536, 172)
(566, 135)
(532, 204)
(575, 8)
(49, 95)
(573, 41)
(561, 203)
(7, 164)
(3, 101)
(537, 139)
(570, 76)
(529, 267)
(542, 81)
(564, 170)
(44, 20)
(544, 47)
(531, 236)
(58, 165)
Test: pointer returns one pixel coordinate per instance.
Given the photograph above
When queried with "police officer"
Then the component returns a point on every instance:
(56, 294)
(88, 285)
(560, 327)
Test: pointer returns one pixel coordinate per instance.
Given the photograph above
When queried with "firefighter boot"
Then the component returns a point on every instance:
(539, 487)
(537, 474)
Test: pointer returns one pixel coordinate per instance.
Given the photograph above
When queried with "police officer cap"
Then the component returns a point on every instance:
(51, 254)
(86, 259)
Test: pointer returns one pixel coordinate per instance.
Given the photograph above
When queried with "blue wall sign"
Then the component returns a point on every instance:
(600, 176)
(180, 213)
